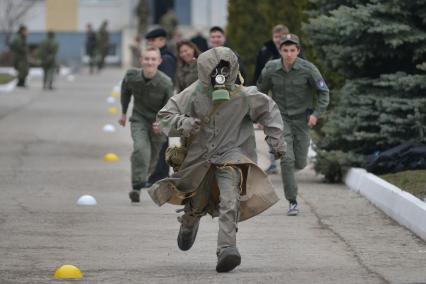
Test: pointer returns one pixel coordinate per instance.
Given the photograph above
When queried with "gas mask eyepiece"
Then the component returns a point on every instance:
(219, 76)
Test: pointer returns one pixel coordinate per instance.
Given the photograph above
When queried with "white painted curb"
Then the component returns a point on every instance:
(5, 88)
(401, 206)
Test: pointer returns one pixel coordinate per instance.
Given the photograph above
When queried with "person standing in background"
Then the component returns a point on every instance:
(48, 50)
(19, 49)
(102, 41)
(269, 51)
(169, 22)
(91, 47)
(200, 41)
(217, 38)
(186, 72)
(158, 38)
(135, 49)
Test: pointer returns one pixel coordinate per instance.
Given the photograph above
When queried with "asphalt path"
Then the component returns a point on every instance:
(51, 153)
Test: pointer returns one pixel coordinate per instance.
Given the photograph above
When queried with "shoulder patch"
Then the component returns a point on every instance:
(321, 84)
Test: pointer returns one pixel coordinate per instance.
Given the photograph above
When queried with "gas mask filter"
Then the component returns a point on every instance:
(218, 79)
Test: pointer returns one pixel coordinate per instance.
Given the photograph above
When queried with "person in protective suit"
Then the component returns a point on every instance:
(217, 171)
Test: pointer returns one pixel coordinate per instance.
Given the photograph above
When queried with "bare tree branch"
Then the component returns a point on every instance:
(13, 12)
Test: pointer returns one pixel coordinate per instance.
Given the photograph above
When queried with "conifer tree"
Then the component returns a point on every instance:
(380, 49)
(250, 24)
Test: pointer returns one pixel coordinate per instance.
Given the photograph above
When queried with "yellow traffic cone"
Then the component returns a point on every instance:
(111, 157)
(112, 110)
(115, 94)
(68, 272)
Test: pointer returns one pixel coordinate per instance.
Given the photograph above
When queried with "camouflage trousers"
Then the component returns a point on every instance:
(48, 76)
(22, 68)
(296, 135)
(228, 179)
(146, 148)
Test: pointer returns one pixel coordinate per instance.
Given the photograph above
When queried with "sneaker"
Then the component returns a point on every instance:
(228, 259)
(292, 210)
(187, 231)
(272, 170)
(134, 195)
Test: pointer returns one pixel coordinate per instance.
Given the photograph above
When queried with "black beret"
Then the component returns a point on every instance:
(160, 32)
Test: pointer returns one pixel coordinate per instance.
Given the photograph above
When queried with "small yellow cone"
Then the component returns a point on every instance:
(68, 272)
(115, 94)
(111, 157)
(112, 110)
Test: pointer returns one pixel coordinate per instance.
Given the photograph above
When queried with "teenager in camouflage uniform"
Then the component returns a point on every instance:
(292, 81)
(150, 89)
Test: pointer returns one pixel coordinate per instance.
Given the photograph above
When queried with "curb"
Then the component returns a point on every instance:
(5, 88)
(400, 205)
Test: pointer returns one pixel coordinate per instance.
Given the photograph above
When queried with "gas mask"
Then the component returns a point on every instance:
(218, 79)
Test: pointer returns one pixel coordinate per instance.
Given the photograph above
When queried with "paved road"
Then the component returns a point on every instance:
(51, 149)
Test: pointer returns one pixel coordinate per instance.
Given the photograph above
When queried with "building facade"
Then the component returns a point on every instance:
(68, 19)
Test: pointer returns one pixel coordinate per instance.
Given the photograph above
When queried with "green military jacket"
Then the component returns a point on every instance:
(292, 90)
(102, 40)
(48, 49)
(186, 74)
(19, 48)
(149, 96)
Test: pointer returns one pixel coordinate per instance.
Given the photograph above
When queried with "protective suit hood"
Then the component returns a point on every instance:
(208, 60)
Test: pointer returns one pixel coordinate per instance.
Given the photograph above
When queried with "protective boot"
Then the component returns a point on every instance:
(188, 231)
(227, 259)
(134, 195)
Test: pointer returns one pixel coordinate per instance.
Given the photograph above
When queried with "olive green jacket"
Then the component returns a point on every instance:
(149, 96)
(186, 74)
(48, 50)
(227, 138)
(293, 90)
(19, 48)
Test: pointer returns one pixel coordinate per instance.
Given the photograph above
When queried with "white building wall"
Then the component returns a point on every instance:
(119, 13)
(208, 13)
(34, 19)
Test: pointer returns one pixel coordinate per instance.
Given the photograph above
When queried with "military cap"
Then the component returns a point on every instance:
(290, 38)
(160, 32)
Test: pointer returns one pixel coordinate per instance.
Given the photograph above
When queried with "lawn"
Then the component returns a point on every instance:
(6, 78)
(412, 181)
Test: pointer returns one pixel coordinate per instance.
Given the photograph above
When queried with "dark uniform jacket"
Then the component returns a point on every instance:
(48, 50)
(267, 52)
(168, 64)
(19, 48)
